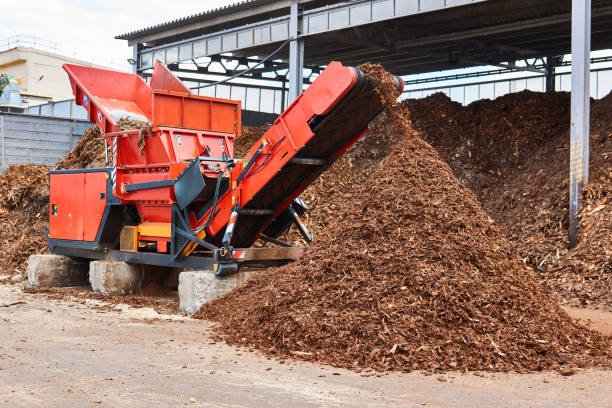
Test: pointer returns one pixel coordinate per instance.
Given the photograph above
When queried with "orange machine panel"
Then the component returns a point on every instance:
(77, 202)
(66, 206)
(195, 112)
(95, 203)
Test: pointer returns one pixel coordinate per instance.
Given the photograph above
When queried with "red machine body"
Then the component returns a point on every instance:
(178, 187)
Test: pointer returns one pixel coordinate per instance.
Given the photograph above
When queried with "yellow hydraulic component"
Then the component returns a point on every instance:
(155, 229)
(128, 240)
(192, 245)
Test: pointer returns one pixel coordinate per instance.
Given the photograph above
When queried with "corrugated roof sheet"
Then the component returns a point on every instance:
(241, 5)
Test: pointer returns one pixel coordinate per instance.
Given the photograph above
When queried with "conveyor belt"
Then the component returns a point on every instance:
(333, 132)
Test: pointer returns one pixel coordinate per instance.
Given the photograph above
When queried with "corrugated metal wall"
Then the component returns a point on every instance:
(36, 139)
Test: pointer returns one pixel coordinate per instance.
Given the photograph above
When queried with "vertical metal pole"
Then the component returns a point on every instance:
(283, 95)
(551, 63)
(580, 110)
(296, 53)
(135, 57)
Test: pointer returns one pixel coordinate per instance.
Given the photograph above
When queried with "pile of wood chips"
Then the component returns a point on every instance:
(87, 153)
(24, 212)
(411, 274)
(513, 152)
(250, 135)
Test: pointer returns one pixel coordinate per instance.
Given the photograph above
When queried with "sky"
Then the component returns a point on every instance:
(89, 27)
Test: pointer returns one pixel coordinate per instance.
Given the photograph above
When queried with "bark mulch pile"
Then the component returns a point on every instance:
(250, 135)
(513, 152)
(87, 153)
(489, 139)
(24, 212)
(414, 276)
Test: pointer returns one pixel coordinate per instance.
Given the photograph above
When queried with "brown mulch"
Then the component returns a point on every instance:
(513, 153)
(143, 127)
(250, 135)
(414, 276)
(87, 153)
(489, 139)
(24, 211)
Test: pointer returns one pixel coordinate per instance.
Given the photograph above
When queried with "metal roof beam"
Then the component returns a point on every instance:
(498, 29)
(315, 21)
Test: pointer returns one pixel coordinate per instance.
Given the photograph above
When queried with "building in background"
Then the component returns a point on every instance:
(39, 73)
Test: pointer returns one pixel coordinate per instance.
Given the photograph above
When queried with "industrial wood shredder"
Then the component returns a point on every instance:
(175, 195)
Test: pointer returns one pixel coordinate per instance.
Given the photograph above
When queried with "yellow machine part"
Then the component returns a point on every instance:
(128, 240)
(192, 245)
(155, 229)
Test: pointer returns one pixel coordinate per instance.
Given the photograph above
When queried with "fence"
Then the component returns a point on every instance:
(62, 109)
(37, 139)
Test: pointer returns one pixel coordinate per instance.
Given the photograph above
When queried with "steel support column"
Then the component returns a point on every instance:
(136, 57)
(551, 63)
(580, 109)
(296, 52)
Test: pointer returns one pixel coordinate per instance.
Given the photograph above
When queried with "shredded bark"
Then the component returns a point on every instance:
(250, 135)
(24, 213)
(143, 127)
(513, 152)
(87, 153)
(411, 274)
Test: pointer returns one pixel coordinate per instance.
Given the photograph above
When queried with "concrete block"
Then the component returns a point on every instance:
(56, 270)
(196, 288)
(115, 278)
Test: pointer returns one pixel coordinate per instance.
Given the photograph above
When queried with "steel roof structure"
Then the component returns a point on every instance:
(404, 36)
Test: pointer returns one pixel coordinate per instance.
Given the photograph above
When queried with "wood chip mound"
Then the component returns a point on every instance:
(24, 212)
(413, 276)
(87, 153)
(513, 152)
(250, 135)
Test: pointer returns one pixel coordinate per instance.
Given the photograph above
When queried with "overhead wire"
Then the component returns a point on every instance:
(246, 71)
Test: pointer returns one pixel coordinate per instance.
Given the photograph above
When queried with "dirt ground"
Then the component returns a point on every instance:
(57, 353)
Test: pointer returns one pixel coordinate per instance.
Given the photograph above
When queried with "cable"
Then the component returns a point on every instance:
(246, 70)
(267, 159)
(215, 198)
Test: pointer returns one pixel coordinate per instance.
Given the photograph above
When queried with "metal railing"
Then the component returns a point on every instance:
(61, 109)
(466, 93)
(57, 48)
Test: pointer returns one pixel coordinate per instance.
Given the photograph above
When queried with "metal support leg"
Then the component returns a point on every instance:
(296, 53)
(307, 235)
(283, 93)
(580, 114)
(229, 230)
